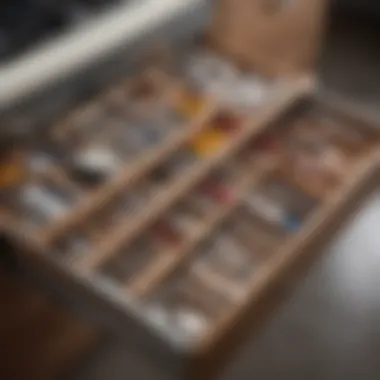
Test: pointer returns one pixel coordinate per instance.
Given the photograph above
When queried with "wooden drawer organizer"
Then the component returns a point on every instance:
(169, 255)
(186, 203)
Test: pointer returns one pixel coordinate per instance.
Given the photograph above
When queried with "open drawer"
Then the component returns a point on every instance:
(181, 248)
(146, 171)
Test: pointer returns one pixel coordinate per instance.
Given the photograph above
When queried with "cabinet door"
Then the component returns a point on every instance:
(274, 36)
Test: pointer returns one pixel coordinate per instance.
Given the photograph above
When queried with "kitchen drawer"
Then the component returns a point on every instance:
(182, 301)
(69, 221)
